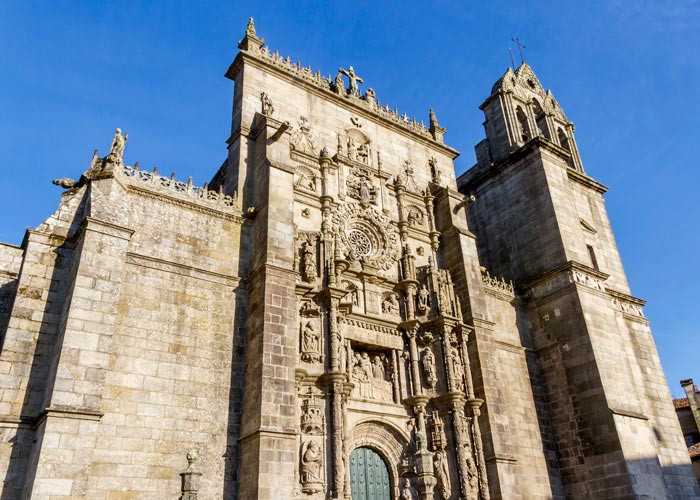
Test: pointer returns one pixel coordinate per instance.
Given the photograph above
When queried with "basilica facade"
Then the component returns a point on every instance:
(335, 315)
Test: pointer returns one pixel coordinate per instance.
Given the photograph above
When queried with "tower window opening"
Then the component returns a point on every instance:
(594, 261)
(564, 143)
(541, 120)
(524, 127)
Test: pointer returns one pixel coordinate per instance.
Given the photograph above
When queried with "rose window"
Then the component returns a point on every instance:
(359, 242)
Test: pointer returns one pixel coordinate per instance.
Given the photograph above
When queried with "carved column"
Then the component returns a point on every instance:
(400, 189)
(395, 378)
(463, 446)
(434, 234)
(338, 431)
(475, 404)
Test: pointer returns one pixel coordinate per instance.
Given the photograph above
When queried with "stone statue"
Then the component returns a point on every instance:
(442, 474)
(267, 107)
(342, 357)
(423, 299)
(339, 84)
(118, 142)
(429, 367)
(350, 73)
(308, 262)
(472, 476)
(408, 492)
(311, 463)
(457, 369)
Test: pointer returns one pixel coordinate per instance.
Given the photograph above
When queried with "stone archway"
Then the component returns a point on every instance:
(388, 442)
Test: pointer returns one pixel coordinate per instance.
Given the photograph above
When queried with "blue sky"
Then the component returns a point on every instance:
(626, 74)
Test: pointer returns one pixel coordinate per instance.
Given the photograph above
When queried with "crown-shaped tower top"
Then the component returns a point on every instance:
(518, 110)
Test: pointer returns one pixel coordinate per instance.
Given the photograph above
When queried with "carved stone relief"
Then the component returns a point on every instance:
(305, 179)
(390, 304)
(361, 187)
(311, 415)
(415, 216)
(301, 140)
(372, 375)
(442, 475)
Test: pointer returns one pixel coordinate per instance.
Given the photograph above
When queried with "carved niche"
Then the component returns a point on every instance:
(306, 256)
(367, 236)
(428, 364)
(357, 146)
(310, 339)
(415, 216)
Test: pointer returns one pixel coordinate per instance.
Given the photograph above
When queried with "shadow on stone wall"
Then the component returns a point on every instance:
(25, 445)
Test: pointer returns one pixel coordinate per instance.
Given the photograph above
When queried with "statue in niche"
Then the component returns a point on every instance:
(408, 492)
(457, 369)
(442, 474)
(363, 153)
(353, 78)
(267, 107)
(390, 305)
(434, 170)
(423, 299)
(116, 152)
(308, 262)
(311, 462)
(428, 361)
(310, 344)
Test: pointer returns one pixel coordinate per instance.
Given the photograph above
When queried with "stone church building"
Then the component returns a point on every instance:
(335, 315)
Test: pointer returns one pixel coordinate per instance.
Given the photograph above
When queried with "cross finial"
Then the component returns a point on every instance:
(521, 46)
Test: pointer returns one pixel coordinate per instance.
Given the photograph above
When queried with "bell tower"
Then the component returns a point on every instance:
(540, 221)
(518, 110)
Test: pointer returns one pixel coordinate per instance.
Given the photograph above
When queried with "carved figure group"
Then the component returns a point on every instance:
(370, 375)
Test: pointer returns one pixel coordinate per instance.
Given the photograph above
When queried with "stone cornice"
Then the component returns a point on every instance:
(108, 228)
(354, 104)
(181, 269)
(586, 181)
(569, 273)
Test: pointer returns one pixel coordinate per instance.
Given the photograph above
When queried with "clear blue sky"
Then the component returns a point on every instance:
(626, 73)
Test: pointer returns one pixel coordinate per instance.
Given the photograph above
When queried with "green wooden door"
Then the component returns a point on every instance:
(369, 477)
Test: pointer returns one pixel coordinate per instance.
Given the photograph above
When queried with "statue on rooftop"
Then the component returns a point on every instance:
(350, 73)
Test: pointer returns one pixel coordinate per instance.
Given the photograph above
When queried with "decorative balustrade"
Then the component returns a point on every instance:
(185, 189)
(497, 284)
(326, 83)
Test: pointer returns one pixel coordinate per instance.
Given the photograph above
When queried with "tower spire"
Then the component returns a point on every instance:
(250, 41)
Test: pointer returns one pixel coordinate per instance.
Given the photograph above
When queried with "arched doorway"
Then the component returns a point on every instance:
(369, 476)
